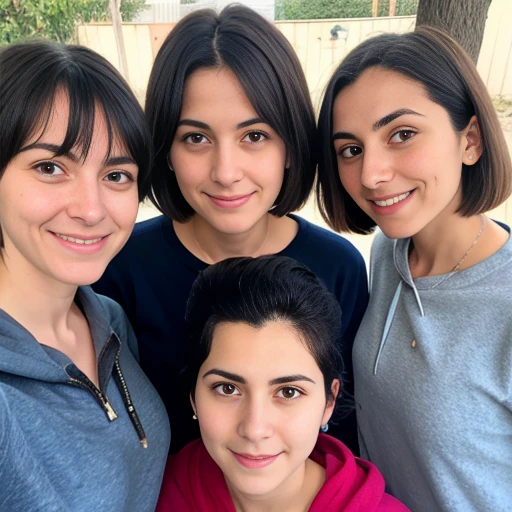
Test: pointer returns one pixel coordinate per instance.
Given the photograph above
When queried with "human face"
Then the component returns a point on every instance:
(395, 145)
(260, 401)
(63, 219)
(228, 162)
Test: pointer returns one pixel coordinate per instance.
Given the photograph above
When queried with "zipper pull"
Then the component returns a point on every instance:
(112, 415)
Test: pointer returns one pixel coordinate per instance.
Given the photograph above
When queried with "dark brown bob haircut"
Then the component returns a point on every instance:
(32, 73)
(451, 80)
(270, 73)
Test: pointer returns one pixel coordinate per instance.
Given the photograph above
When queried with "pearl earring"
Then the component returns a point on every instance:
(470, 157)
(194, 417)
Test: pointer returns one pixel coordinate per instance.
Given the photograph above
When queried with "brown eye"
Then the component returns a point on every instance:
(350, 151)
(228, 389)
(405, 134)
(118, 177)
(402, 136)
(196, 138)
(254, 137)
(49, 169)
(288, 393)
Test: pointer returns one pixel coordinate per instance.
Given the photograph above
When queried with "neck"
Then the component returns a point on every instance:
(212, 246)
(446, 245)
(34, 300)
(294, 495)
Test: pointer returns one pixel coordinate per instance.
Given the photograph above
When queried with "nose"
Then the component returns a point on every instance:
(86, 202)
(226, 165)
(256, 420)
(376, 169)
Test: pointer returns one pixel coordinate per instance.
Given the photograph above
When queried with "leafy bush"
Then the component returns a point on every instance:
(55, 19)
(321, 9)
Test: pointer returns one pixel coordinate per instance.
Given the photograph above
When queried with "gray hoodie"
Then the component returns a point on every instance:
(433, 381)
(66, 445)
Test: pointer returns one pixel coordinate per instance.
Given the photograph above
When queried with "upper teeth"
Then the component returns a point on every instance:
(78, 240)
(393, 200)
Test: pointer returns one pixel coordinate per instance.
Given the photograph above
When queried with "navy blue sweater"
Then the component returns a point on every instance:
(151, 278)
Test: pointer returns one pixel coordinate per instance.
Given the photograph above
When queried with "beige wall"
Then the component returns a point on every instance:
(317, 53)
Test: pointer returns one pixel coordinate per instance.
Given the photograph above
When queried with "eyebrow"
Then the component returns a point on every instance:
(391, 117)
(53, 148)
(204, 126)
(227, 375)
(290, 378)
(237, 378)
(380, 123)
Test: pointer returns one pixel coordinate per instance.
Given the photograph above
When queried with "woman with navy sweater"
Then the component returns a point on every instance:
(235, 140)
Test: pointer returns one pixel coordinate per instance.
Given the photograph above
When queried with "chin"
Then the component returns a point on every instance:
(81, 277)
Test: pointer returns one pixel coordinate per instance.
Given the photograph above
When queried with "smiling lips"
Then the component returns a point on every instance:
(392, 200)
(81, 246)
(231, 201)
(79, 240)
(254, 461)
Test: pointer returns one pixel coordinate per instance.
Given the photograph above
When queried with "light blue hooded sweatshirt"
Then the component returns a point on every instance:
(66, 445)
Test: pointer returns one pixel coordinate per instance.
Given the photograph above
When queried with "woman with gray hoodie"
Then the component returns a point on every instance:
(81, 427)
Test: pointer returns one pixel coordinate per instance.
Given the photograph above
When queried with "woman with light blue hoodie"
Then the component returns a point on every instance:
(81, 427)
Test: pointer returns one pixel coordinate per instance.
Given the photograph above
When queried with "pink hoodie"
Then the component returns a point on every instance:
(194, 483)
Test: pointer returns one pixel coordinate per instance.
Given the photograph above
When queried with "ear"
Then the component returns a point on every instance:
(329, 408)
(472, 142)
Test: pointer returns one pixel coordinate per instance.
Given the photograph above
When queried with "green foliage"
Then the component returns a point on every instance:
(55, 19)
(321, 9)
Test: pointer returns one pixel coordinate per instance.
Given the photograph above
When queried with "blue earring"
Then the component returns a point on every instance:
(324, 428)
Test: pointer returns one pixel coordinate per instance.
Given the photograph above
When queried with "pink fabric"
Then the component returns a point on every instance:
(194, 483)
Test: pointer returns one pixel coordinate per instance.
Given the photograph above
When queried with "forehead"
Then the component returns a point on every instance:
(376, 93)
(91, 132)
(214, 92)
(275, 349)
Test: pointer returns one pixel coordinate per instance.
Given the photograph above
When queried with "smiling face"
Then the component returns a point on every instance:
(62, 218)
(229, 163)
(398, 155)
(260, 401)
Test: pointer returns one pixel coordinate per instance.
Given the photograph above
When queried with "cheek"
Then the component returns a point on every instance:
(122, 207)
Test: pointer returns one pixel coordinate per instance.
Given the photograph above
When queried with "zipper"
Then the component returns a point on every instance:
(127, 399)
(100, 396)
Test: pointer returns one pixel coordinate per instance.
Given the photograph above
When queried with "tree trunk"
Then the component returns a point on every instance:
(464, 20)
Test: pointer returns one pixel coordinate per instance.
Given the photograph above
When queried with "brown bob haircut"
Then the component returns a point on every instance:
(451, 80)
(270, 73)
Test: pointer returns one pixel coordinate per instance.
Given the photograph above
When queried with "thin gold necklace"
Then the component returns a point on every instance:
(209, 259)
(466, 254)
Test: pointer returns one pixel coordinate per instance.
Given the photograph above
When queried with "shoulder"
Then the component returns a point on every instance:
(5, 417)
(106, 310)
(326, 243)
(111, 308)
(146, 236)
(150, 227)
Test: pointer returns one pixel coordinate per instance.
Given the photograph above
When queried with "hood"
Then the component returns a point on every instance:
(351, 484)
(22, 355)
(193, 482)
(401, 261)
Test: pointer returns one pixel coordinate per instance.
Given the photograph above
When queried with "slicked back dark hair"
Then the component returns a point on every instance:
(270, 73)
(449, 77)
(31, 74)
(256, 291)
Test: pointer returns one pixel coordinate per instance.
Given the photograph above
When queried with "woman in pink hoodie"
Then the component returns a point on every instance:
(263, 374)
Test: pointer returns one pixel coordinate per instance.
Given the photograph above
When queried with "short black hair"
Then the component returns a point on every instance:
(271, 75)
(32, 73)
(256, 291)
(437, 62)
